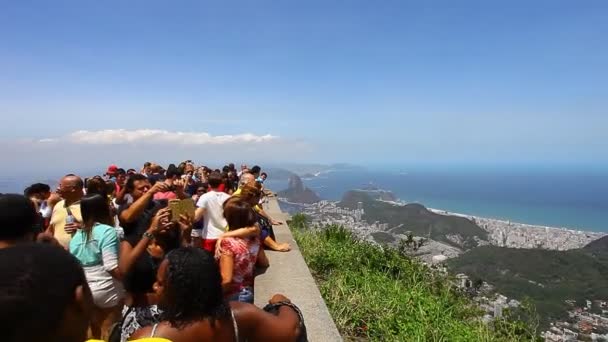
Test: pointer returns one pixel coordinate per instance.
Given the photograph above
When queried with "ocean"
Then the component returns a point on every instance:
(557, 196)
(575, 197)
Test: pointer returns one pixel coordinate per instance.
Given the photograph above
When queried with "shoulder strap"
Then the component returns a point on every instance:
(154, 329)
(236, 327)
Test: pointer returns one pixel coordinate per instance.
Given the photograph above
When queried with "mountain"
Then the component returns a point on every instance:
(298, 193)
(547, 277)
(453, 230)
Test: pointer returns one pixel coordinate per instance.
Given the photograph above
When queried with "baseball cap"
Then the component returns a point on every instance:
(112, 169)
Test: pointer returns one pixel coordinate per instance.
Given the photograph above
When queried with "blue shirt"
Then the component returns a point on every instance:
(103, 238)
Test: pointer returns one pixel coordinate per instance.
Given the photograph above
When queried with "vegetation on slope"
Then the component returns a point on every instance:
(417, 219)
(546, 277)
(378, 294)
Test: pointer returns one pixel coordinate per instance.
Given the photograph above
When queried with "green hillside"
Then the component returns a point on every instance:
(546, 277)
(417, 219)
(378, 294)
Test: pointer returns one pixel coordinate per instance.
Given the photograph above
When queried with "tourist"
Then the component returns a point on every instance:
(155, 173)
(243, 168)
(139, 260)
(233, 180)
(18, 220)
(122, 191)
(175, 186)
(246, 178)
(96, 185)
(262, 178)
(111, 173)
(226, 183)
(201, 189)
(237, 256)
(44, 199)
(95, 245)
(188, 284)
(249, 179)
(190, 179)
(121, 178)
(251, 193)
(146, 169)
(256, 171)
(209, 209)
(135, 217)
(44, 295)
(66, 217)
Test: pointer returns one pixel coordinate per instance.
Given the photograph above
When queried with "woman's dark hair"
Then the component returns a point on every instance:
(214, 179)
(29, 314)
(18, 217)
(256, 169)
(97, 185)
(36, 188)
(173, 171)
(192, 288)
(95, 207)
(239, 214)
(168, 240)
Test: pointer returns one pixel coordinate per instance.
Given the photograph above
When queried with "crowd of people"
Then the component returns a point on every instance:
(108, 258)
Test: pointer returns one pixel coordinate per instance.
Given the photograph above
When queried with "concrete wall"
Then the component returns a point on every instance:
(288, 274)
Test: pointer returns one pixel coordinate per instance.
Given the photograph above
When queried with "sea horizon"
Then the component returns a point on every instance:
(567, 198)
(554, 195)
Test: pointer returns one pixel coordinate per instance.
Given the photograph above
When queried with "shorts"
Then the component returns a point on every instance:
(209, 245)
(107, 298)
(245, 295)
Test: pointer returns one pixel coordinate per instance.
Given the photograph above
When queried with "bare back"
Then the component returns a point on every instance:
(205, 330)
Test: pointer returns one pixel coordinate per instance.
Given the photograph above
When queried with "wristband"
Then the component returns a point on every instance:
(149, 236)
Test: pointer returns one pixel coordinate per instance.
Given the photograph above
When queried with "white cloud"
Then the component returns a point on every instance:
(155, 136)
(90, 152)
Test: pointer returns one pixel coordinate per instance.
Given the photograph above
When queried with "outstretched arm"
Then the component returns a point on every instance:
(242, 232)
(132, 212)
(259, 325)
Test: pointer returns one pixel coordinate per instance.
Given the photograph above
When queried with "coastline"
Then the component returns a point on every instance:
(504, 233)
(521, 235)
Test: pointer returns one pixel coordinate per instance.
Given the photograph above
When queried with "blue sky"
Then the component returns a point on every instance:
(352, 81)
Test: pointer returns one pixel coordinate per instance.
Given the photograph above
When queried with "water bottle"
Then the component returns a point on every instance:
(70, 219)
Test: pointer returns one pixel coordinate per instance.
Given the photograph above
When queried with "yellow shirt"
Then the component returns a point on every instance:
(58, 221)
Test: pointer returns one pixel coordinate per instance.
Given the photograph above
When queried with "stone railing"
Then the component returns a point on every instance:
(288, 274)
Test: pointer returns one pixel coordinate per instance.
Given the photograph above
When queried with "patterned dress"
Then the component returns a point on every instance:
(137, 318)
(245, 253)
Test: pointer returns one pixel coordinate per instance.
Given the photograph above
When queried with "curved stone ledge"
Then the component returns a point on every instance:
(288, 274)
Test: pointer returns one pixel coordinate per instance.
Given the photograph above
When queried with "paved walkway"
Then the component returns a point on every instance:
(288, 274)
